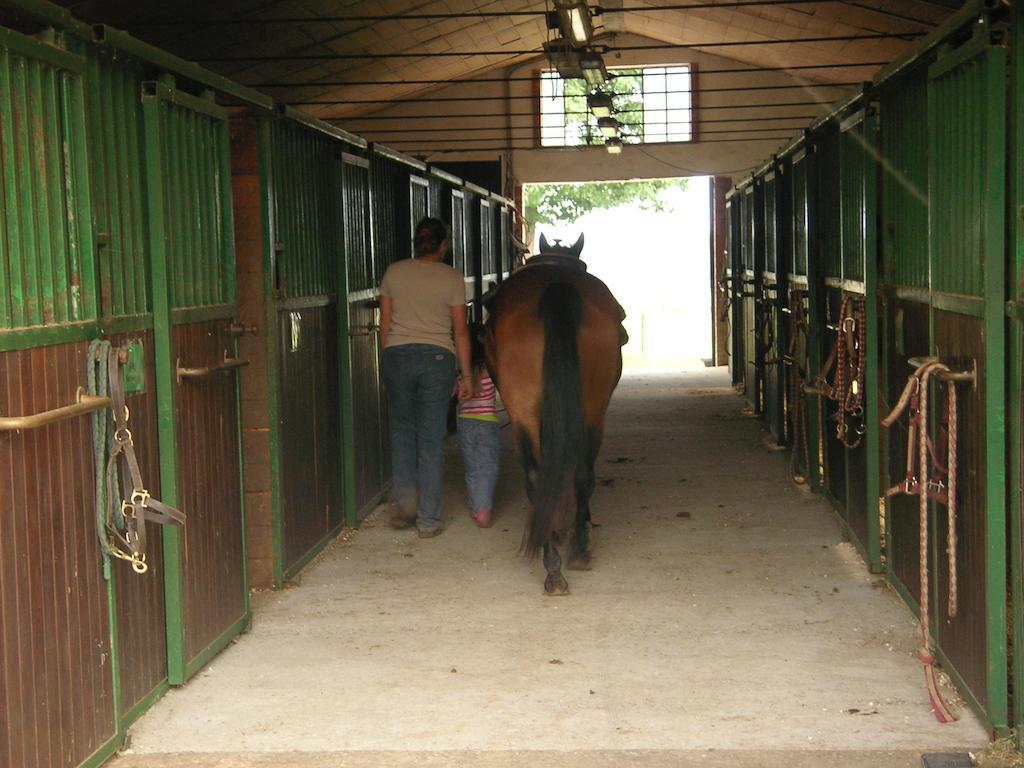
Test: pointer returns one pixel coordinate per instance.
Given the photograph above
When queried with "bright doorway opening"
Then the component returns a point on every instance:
(649, 241)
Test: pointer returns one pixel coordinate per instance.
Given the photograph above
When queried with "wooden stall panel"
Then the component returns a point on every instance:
(907, 336)
(209, 492)
(963, 638)
(308, 247)
(56, 688)
(310, 457)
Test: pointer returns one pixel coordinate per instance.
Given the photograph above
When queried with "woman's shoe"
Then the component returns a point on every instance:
(482, 517)
(401, 517)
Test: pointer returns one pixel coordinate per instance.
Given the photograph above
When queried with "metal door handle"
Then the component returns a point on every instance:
(368, 330)
(240, 329)
(83, 404)
(228, 364)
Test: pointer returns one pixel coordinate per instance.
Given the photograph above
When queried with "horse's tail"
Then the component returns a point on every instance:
(561, 419)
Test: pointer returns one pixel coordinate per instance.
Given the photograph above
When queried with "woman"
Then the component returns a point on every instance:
(422, 328)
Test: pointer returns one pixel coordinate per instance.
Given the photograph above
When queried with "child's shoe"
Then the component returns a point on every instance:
(482, 517)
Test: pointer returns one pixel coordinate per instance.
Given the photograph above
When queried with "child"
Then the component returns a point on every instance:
(479, 437)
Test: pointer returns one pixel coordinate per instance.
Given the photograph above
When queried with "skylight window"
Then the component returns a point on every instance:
(651, 104)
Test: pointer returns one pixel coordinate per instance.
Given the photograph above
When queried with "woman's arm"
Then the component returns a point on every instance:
(462, 351)
(385, 320)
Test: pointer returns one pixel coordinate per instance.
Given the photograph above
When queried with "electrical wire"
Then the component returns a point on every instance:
(801, 119)
(596, 11)
(532, 78)
(531, 97)
(562, 148)
(370, 134)
(603, 49)
(475, 116)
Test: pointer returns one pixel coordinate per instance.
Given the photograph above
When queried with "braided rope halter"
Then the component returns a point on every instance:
(929, 486)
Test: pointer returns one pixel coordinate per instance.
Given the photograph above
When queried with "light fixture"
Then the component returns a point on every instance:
(600, 104)
(608, 126)
(614, 146)
(574, 19)
(563, 58)
(593, 68)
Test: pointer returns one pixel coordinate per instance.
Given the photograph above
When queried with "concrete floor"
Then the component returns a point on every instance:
(725, 623)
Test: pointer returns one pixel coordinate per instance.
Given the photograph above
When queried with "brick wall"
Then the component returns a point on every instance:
(249, 266)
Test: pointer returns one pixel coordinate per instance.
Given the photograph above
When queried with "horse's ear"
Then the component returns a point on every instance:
(577, 247)
(544, 247)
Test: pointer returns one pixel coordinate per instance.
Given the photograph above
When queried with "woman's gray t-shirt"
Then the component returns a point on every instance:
(422, 294)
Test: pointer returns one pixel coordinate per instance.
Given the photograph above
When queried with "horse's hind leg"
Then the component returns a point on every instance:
(579, 544)
(555, 583)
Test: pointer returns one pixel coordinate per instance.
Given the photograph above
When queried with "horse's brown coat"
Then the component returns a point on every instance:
(515, 353)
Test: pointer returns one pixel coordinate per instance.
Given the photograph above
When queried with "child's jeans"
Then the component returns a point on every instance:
(481, 447)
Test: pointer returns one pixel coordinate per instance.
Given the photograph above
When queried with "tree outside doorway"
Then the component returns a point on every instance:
(650, 242)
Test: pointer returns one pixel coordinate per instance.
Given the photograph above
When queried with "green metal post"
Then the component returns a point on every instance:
(270, 321)
(815, 318)
(994, 384)
(348, 443)
(1016, 490)
(163, 343)
(872, 380)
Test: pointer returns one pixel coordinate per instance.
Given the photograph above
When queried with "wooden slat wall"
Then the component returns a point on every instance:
(964, 638)
(907, 329)
(310, 449)
(209, 491)
(54, 639)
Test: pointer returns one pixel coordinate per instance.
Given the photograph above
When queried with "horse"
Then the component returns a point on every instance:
(553, 347)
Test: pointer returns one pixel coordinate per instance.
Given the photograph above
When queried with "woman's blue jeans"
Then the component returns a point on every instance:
(480, 442)
(418, 379)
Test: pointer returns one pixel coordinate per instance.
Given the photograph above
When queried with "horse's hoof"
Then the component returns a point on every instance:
(556, 585)
(580, 562)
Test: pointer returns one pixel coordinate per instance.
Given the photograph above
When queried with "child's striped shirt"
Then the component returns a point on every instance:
(482, 406)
